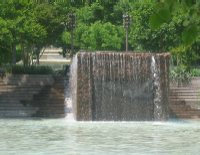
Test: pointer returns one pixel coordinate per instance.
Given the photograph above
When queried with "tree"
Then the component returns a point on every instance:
(100, 36)
(10, 12)
(5, 39)
(166, 10)
(142, 37)
(22, 27)
(156, 26)
(31, 26)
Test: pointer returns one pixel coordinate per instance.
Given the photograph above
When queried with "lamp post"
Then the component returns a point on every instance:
(126, 23)
(71, 24)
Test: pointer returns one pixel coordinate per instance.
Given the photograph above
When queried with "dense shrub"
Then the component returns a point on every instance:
(195, 72)
(19, 69)
(180, 76)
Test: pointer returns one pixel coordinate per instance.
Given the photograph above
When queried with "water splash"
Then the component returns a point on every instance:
(71, 91)
(157, 92)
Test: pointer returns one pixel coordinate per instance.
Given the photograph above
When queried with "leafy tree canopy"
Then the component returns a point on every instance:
(26, 26)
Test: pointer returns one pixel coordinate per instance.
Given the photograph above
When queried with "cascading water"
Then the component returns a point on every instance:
(157, 96)
(119, 86)
(116, 93)
(70, 92)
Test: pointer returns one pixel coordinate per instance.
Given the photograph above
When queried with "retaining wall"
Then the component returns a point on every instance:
(32, 95)
(185, 101)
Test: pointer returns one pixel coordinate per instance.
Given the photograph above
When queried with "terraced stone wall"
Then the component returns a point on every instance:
(185, 100)
(32, 96)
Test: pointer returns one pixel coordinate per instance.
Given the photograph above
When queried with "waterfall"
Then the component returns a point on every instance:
(71, 91)
(157, 92)
(119, 86)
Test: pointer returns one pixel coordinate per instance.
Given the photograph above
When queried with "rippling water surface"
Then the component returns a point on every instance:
(61, 137)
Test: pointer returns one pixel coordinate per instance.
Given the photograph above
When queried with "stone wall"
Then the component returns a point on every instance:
(32, 96)
(185, 101)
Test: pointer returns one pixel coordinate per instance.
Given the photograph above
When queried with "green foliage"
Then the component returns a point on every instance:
(29, 26)
(19, 69)
(53, 69)
(99, 36)
(190, 34)
(162, 16)
(180, 76)
(85, 15)
(21, 26)
(156, 26)
(185, 55)
(142, 37)
(165, 10)
(50, 17)
(195, 72)
(102, 36)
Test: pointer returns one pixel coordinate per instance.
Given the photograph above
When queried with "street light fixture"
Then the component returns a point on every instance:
(126, 23)
(71, 25)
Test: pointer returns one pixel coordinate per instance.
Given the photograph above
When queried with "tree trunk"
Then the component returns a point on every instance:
(13, 53)
(38, 56)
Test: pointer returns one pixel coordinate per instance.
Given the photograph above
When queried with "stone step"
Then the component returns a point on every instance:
(52, 53)
(184, 93)
(190, 91)
(23, 96)
(189, 112)
(15, 104)
(11, 99)
(184, 107)
(52, 50)
(51, 101)
(11, 104)
(1, 82)
(180, 107)
(194, 105)
(17, 108)
(27, 80)
(22, 86)
(51, 56)
(187, 116)
(53, 107)
(184, 97)
(178, 101)
(28, 84)
(174, 87)
(20, 89)
(64, 61)
(183, 100)
(55, 115)
(50, 112)
(17, 112)
(14, 92)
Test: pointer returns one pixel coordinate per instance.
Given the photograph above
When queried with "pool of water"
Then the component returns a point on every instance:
(61, 137)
